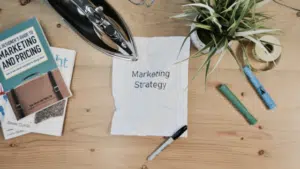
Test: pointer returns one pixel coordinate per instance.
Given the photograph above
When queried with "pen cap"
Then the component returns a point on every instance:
(179, 132)
(237, 104)
(264, 95)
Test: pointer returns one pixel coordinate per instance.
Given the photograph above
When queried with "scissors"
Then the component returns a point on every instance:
(147, 3)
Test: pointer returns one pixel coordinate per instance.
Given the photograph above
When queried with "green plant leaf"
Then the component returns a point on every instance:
(230, 8)
(226, 21)
(184, 15)
(266, 42)
(210, 54)
(246, 8)
(213, 38)
(220, 57)
(245, 54)
(203, 26)
(195, 29)
(234, 11)
(199, 53)
(235, 57)
(212, 51)
(211, 10)
(206, 72)
(257, 42)
(253, 32)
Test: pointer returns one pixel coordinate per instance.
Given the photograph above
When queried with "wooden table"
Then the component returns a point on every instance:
(218, 136)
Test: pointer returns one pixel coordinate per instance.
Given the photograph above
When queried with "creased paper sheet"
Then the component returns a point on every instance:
(151, 94)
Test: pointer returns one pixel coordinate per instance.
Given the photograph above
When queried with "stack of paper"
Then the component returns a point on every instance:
(151, 94)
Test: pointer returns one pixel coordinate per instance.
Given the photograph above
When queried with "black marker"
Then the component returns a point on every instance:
(167, 142)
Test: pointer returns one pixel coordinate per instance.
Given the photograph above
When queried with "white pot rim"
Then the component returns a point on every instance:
(199, 44)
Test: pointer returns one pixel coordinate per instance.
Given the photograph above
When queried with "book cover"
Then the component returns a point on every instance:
(49, 121)
(28, 72)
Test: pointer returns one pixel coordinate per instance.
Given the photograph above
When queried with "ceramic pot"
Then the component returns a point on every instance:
(200, 44)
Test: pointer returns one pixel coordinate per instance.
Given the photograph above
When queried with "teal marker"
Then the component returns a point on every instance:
(237, 104)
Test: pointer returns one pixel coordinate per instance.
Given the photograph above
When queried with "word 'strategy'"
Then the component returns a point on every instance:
(151, 84)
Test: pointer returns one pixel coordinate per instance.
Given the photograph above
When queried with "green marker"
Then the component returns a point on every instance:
(237, 104)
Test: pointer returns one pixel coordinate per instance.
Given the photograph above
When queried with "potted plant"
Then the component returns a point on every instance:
(215, 24)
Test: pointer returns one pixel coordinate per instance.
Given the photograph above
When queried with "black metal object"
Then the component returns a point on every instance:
(82, 22)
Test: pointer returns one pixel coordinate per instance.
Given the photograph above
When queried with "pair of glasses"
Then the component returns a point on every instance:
(147, 3)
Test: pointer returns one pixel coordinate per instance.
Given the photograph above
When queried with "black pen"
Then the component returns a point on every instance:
(167, 142)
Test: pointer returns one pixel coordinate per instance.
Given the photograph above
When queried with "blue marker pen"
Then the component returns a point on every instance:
(259, 88)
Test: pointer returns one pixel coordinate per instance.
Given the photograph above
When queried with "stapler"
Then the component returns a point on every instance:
(97, 22)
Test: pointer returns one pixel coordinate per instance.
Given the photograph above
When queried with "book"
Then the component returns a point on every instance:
(28, 72)
(49, 121)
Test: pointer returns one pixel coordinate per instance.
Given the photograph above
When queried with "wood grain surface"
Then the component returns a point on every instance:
(219, 138)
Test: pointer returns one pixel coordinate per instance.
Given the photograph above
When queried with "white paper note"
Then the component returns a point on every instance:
(151, 94)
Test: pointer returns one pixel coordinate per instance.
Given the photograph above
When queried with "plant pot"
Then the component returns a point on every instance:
(200, 38)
